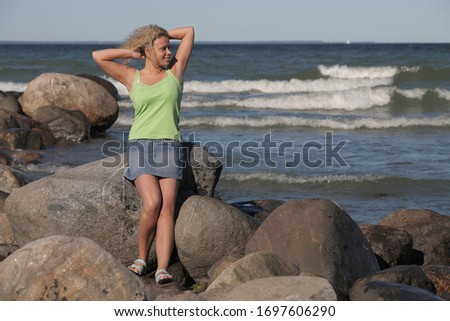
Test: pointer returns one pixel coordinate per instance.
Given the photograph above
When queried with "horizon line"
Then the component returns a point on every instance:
(348, 42)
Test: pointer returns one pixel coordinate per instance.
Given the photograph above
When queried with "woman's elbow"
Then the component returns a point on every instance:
(95, 55)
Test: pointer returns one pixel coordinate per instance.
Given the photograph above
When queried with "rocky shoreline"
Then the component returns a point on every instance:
(69, 236)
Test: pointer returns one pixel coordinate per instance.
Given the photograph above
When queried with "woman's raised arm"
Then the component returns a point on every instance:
(106, 60)
(186, 35)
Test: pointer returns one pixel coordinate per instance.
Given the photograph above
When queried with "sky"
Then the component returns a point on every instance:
(229, 20)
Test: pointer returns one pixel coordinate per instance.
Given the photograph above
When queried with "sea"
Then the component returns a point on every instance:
(366, 125)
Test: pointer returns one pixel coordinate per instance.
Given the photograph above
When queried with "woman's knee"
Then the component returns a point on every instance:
(151, 207)
(167, 212)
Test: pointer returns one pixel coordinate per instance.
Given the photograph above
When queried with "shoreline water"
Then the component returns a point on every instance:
(390, 102)
(355, 193)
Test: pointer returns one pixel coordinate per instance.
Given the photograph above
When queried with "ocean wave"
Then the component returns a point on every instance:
(361, 98)
(282, 178)
(419, 93)
(442, 93)
(45, 168)
(283, 86)
(346, 72)
(13, 86)
(415, 93)
(124, 120)
(346, 124)
(122, 90)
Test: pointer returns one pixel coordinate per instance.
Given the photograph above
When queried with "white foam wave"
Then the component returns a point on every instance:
(124, 120)
(442, 93)
(415, 93)
(125, 103)
(123, 91)
(361, 98)
(13, 86)
(292, 179)
(418, 93)
(344, 71)
(287, 86)
(346, 124)
(48, 168)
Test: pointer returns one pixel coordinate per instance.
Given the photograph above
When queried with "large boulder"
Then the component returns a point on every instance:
(390, 291)
(66, 268)
(71, 93)
(412, 275)
(93, 201)
(252, 266)
(208, 229)
(284, 288)
(104, 83)
(317, 236)
(430, 232)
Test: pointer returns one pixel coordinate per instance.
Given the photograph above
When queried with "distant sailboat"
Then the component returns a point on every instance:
(347, 42)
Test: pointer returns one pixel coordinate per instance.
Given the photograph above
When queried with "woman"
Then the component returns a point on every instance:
(154, 149)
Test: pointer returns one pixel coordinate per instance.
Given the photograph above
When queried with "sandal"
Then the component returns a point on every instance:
(139, 269)
(162, 277)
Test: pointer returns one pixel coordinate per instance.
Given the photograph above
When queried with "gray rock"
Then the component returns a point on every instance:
(284, 288)
(204, 181)
(208, 229)
(185, 296)
(7, 120)
(430, 232)
(6, 234)
(66, 124)
(388, 291)
(224, 263)
(71, 93)
(6, 250)
(11, 179)
(392, 246)
(66, 268)
(252, 266)
(317, 236)
(9, 103)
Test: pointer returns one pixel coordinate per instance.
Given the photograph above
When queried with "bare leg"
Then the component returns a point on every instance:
(165, 224)
(149, 190)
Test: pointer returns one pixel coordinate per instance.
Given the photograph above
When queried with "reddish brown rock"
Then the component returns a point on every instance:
(317, 236)
(430, 232)
(19, 138)
(392, 246)
(440, 276)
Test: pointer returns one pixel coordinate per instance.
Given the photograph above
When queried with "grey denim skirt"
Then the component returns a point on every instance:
(157, 157)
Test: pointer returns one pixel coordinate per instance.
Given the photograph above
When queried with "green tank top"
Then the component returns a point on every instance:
(156, 108)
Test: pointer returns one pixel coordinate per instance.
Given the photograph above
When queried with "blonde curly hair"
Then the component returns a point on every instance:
(143, 38)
